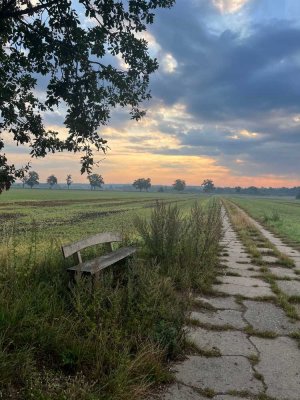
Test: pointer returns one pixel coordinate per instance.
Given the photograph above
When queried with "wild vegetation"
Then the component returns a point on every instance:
(252, 239)
(115, 341)
(281, 215)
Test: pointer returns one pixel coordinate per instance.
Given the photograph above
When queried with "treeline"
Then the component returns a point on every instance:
(33, 179)
(96, 181)
(207, 186)
(260, 191)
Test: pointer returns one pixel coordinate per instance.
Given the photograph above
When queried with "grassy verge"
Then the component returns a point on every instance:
(281, 216)
(252, 239)
(112, 342)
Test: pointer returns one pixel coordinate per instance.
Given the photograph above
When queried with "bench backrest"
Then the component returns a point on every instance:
(100, 238)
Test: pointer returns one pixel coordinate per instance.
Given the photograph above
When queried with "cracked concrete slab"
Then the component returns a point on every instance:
(221, 374)
(289, 251)
(235, 260)
(266, 317)
(290, 288)
(270, 259)
(237, 265)
(229, 343)
(220, 318)
(297, 308)
(248, 292)
(239, 273)
(280, 366)
(222, 303)
(264, 250)
(282, 272)
(228, 397)
(242, 272)
(243, 281)
(180, 392)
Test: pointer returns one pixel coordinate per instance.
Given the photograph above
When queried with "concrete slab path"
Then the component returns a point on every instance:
(246, 343)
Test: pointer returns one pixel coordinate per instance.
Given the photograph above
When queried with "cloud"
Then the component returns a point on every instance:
(225, 99)
(241, 89)
(229, 6)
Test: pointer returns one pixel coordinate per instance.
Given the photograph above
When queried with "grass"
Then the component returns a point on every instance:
(263, 334)
(112, 342)
(193, 349)
(249, 236)
(211, 327)
(282, 216)
(66, 214)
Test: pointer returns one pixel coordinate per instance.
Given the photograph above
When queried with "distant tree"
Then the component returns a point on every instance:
(252, 190)
(69, 181)
(208, 186)
(32, 179)
(147, 184)
(298, 196)
(161, 189)
(52, 180)
(23, 180)
(138, 184)
(95, 180)
(142, 183)
(238, 189)
(179, 185)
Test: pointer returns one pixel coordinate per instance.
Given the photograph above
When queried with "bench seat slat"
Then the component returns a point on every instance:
(97, 264)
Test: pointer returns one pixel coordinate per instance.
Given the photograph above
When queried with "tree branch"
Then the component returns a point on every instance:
(27, 11)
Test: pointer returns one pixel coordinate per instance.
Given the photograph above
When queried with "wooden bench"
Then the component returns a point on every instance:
(94, 266)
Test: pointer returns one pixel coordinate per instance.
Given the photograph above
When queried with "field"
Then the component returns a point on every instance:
(69, 215)
(112, 341)
(281, 215)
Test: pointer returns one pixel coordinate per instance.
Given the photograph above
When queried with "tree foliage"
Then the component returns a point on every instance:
(142, 184)
(32, 179)
(179, 185)
(95, 180)
(48, 44)
(69, 180)
(52, 180)
(208, 186)
(8, 173)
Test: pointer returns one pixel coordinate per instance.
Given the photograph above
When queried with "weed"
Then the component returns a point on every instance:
(196, 322)
(253, 358)
(185, 246)
(258, 376)
(192, 348)
(263, 334)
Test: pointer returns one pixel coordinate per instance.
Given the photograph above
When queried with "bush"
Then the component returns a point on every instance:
(298, 196)
(273, 217)
(186, 246)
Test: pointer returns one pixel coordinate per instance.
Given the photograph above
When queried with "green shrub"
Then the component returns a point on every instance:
(273, 217)
(186, 246)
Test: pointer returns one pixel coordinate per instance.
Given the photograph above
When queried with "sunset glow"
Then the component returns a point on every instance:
(225, 102)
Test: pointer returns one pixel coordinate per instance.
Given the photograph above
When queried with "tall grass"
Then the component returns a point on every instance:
(109, 343)
(112, 342)
(185, 245)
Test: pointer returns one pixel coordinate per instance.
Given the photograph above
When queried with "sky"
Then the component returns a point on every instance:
(225, 101)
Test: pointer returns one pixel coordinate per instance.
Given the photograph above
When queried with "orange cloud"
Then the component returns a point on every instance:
(141, 150)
